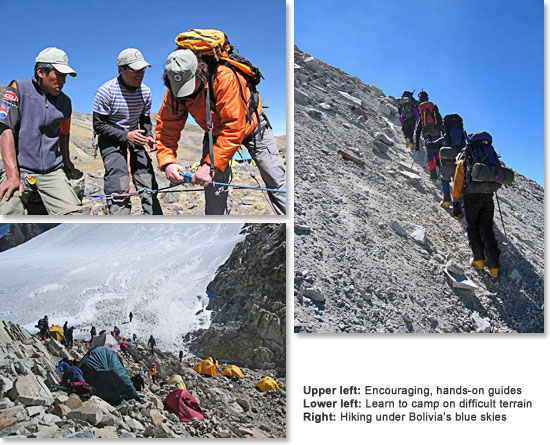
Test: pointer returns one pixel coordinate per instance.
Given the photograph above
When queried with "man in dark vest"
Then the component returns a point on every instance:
(35, 119)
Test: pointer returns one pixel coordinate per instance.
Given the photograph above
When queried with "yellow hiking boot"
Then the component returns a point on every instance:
(479, 264)
(410, 145)
(446, 204)
(494, 272)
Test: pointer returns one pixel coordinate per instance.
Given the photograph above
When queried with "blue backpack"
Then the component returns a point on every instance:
(454, 131)
(483, 165)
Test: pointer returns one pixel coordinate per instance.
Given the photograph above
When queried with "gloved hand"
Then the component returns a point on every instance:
(457, 211)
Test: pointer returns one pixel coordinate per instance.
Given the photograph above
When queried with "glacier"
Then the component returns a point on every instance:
(94, 274)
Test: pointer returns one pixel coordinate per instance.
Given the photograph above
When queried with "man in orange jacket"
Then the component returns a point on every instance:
(187, 80)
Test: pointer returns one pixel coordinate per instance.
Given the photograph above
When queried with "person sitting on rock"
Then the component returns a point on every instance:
(430, 125)
(137, 381)
(70, 374)
(35, 123)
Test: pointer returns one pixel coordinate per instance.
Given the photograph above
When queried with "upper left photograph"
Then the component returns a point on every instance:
(128, 109)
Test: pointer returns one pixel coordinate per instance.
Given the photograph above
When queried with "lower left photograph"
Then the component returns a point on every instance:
(143, 330)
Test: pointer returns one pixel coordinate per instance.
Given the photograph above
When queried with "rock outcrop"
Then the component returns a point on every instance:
(248, 300)
(12, 235)
(374, 255)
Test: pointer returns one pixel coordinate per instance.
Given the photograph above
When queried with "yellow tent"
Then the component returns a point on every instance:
(177, 381)
(207, 367)
(232, 371)
(56, 332)
(267, 384)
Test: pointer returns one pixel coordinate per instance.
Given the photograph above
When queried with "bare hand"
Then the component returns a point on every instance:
(150, 144)
(173, 172)
(136, 137)
(203, 176)
(8, 188)
(69, 166)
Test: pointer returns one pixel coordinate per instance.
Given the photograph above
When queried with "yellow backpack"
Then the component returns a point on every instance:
(214, 43)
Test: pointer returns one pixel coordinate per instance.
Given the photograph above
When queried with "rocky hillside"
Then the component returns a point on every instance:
(31, 405)
(374, 250)
(12, 235)
(89, 177)
(248, 300)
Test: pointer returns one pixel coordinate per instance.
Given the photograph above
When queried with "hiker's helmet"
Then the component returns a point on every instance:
(423, 96)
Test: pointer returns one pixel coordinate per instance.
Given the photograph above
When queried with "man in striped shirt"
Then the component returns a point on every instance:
(123, 125)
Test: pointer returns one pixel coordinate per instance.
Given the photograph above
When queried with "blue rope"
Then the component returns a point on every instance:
(215, 184)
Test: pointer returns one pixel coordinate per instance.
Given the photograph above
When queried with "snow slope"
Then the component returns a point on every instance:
(95, 274)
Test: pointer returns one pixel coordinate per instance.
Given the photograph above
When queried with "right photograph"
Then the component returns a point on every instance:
(419, 168)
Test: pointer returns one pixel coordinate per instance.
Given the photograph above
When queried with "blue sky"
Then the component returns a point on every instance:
(93, 33)
(482, 59)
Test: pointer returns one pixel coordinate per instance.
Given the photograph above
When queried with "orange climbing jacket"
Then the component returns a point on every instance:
(229, 119)
(236, 105)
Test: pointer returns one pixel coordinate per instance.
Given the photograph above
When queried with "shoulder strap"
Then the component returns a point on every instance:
(209, 121)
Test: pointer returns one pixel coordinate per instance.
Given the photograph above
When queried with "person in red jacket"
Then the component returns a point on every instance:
(187, 79)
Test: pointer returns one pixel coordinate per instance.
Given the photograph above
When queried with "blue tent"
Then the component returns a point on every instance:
(103, 370)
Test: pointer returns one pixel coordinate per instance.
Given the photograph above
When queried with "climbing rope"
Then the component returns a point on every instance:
(219, 187)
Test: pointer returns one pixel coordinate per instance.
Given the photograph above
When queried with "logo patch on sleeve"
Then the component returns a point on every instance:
(10, 96)
(4, 111)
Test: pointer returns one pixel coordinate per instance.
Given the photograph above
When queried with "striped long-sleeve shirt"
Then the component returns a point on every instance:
(122, 105)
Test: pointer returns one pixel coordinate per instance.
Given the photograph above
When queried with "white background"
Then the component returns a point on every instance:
(520, 360)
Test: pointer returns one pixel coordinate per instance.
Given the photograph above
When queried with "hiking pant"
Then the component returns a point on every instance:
(408, 129)
(479, 210)
(54, 189)
(447, 173)
(433, 157)
(117, 180)
(265, 153)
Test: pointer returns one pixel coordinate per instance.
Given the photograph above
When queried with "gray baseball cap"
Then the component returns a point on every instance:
(132, 58)
(180, 67)
(57, 58)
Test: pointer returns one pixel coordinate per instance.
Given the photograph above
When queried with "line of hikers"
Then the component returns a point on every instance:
(204, 77)
(470, 161)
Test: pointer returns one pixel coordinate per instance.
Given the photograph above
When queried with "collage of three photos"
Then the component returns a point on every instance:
(144, 228)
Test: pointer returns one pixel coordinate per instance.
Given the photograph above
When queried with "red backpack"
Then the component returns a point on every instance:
(427, 114)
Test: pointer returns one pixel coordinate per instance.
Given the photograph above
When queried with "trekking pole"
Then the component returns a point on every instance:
(501, 219)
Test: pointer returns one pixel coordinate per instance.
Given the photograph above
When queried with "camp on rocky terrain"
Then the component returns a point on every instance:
(31, 405)
(249, 288)
(88, 179)
(374, 251)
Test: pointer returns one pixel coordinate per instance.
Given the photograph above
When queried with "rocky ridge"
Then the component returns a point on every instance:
(373, 247)
(248, 300)
(20, 233)
(32, 406)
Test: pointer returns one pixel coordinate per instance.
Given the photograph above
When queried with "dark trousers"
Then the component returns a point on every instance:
(408, 129)
(117, 180)
(479, 210)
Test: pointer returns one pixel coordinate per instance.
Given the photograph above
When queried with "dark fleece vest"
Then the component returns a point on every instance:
(41, 116)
